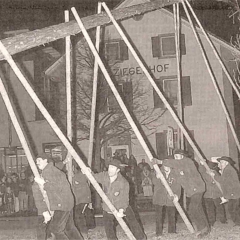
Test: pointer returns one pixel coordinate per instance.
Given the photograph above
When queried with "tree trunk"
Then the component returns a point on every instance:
(46, 35)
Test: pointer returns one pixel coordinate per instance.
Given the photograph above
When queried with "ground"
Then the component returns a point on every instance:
(24, 228)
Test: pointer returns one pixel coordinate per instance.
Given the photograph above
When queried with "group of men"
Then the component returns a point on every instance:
(179, 171)
(210, 187)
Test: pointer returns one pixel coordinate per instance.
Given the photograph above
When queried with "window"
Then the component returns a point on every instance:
(163, 46)
(15, 160)
(126, 91)
(116, 50)
(56, 150)
(169, 86)
(161, 144)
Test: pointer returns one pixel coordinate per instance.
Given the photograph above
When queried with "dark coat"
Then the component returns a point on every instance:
(81, 189)
(187, 175)
(230, 183)
(58, 189)
(117, 192)
(160, 194)
(212, 191)
(38, 198)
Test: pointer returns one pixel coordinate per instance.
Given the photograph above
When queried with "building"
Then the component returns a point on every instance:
(152, 34)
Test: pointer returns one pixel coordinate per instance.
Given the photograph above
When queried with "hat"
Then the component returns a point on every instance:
(116, 163)
(212, 165)
(227, 159)
(180, 151)
(44, 155)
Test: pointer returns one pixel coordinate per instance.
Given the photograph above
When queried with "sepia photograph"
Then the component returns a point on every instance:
(119, 120)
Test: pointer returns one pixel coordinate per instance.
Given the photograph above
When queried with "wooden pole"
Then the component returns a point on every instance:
(63, 138)
(179, 80)
(94, 95)
(164, 100)
(212, 77)
(69, 98)
(215, 51)
(22, 139)
(126, 112)
(31, 39)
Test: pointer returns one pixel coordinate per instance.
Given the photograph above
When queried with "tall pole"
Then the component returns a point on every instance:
(64, 139)
(179, 73)
(69, 98)
(212, 77)
(94, 95)
(22, 139)
(215, 51)
(162, 97)
(126, 112)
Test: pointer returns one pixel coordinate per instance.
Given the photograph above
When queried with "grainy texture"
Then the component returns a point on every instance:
(25, 41)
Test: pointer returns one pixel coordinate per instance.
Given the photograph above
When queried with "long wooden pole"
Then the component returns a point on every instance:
(31, 39)
(126, 112)
(69, 98)
(215, 51)
(94, 95)
(22, 139)
(179, 74)
(212, 77)
(164, 100)
(63, 138)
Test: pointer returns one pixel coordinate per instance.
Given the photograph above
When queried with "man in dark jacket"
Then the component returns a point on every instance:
(230, 185)
(161, 199)
(83, 213)
(116, 187)
(192, 183)
(212, 195)
(60, 198)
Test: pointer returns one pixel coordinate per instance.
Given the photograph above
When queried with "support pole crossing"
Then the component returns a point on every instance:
(63, 138)
(126, 112)
(176, 118)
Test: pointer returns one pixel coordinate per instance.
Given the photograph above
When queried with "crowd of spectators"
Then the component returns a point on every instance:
(16, 197)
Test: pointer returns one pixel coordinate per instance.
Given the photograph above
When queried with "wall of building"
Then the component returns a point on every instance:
(205, 117)
(39, 131)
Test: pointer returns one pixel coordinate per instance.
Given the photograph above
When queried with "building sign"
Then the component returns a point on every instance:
(120, 72)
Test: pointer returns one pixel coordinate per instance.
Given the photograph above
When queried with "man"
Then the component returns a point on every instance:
(117, 190)
(192, 183)
(60, 198)
(212, 196)
(83, 215)
(161, 199)
(230, 185)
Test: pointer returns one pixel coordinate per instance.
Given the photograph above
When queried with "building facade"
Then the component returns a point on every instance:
(152, 35)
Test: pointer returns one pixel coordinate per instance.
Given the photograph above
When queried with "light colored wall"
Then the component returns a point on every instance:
(205, 116)
(40, 131)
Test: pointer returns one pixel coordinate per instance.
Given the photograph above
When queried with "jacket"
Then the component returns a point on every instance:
(212, 191)
(187, 175)
(38, 199)
(117, 191)
(230, 183)
(81, 189)
(58, 189)
(160, 194)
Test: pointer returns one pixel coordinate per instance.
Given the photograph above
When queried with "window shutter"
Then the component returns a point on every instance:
(128, 93)
(186, 91)
(158, 103)
(183, 45)
(161, 144)
(155, 47)
(123, 51)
